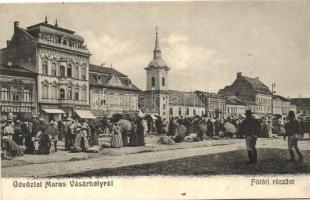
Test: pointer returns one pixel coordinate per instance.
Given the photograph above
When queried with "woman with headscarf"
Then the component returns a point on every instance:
(116, 140)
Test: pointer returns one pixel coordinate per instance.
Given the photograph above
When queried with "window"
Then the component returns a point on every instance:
(54, 69)
(76, 93)
(163, 81)
(187, 111)
(26, 95)
(69, 92)
(44, 67)
(153, 81)
(62, 71)
(44, 90)
(194, 111)
(69, 71)
(83, 72)
(15, 94)
(76, 72)
(4, 94)
(180, 111)
(54, 92)
(84, 94)
(62, 93)
(164, 106)
(171, 111)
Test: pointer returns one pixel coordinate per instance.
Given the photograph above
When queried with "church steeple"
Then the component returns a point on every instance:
(157, 51)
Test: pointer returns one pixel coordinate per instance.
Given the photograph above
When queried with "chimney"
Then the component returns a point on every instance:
(239, 74)
(16, 25)
(257, 78)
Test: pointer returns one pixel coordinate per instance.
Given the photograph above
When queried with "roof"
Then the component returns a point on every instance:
(233, 100)
(109, 78)
(300, 102)
(257, 85)
(52, 29)
(157, 63)
(105, 70)
(15, 70)
(280, 97)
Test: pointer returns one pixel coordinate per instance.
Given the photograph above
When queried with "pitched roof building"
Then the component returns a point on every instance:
(254, 93)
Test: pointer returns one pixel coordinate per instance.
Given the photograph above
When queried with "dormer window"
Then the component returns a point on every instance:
(64, 42)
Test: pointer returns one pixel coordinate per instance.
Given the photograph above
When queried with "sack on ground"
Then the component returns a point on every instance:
(165, 140)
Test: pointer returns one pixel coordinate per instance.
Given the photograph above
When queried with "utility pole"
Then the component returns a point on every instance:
(273, 86)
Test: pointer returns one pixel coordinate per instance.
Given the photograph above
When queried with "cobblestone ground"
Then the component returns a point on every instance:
(65, 168)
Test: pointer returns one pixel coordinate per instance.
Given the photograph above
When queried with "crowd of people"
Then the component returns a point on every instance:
(81, 135)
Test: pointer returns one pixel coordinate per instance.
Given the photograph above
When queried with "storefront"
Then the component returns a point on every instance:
(23, 113)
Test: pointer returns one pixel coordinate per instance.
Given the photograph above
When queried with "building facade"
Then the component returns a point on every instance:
(214, 104)
(252, 91)
(61, 61)
(302, 105)
(18, 96)
(111, 92)
(281, 105)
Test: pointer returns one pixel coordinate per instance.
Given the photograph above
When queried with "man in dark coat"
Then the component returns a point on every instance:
(250, 128)
(292, 129)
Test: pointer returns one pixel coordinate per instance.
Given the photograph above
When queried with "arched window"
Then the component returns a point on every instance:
(54, 69)
(76, 93)
(62, 93)
(83, 73)
(76, 72)
(44, 67)
(69, 92)
(180, 111)
(194, 112)
(4, 95)
(187, 111)
(15, 94)
(69, 71)
(54, 91)
(83, 96)
(163, 81)
(44, 94)
(153, 81)
(62, 71)
(26, 95)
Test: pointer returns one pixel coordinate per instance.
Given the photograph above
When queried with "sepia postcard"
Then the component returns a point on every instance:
(155, 100)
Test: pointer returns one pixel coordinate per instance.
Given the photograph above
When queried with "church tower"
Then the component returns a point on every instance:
(157, 70)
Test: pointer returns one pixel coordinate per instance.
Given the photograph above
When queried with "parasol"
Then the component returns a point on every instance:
(125, 124)
(229, 128)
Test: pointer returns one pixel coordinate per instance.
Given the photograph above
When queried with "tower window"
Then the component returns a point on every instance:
(163, 81)
(153, 81)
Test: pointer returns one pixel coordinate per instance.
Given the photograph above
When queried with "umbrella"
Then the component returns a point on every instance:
(229, 128)
(51, 130)
(125, 124)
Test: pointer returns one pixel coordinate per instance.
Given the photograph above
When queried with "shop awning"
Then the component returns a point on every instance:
(85, 114)
(54, 111)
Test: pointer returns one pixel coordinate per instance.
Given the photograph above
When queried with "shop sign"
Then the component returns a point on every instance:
(15, 109)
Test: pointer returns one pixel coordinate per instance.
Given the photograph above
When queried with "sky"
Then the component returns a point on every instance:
(204, 43)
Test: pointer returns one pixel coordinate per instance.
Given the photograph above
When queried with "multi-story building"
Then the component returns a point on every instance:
(61, 61)
(18, 96)
(302, 105)
(252, 91)
(280, 105)
(111, 92)
(214, 104)
(158, 99)
(234, 107)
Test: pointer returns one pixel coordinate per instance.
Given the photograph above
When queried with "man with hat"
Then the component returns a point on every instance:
(292, 128)
(250, 128)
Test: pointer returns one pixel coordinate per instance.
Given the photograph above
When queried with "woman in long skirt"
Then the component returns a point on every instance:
(116, 140)
(134, 138)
